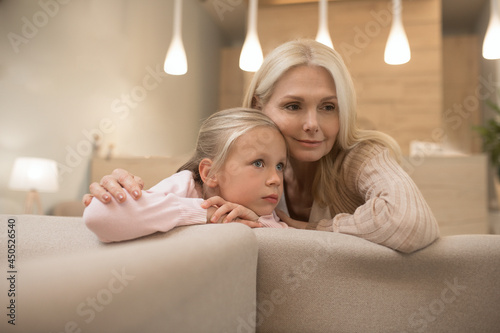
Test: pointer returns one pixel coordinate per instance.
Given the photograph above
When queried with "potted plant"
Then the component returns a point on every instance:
(490, 133)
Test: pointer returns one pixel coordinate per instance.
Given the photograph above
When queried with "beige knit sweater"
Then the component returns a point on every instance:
(377, 201)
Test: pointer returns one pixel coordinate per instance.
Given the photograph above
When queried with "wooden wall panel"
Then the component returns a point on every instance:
(231, 88)
(404, 101)
(461, 108)
(456, 190)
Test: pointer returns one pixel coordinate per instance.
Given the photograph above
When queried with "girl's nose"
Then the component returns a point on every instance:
(274, 177)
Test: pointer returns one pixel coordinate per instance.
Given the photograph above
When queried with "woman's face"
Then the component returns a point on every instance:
(304, 105)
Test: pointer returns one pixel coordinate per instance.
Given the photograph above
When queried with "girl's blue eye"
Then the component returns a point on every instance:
(258, 164)
(280, 166)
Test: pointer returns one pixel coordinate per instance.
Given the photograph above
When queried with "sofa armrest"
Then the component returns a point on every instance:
(310, 281)
(199, 278)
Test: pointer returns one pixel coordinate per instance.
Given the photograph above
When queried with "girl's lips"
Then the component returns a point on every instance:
(273, 198)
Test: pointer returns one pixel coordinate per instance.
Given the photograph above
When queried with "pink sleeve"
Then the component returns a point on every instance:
(272, 221)
(173, 203)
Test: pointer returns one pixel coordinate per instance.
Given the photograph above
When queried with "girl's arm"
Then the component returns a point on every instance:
(171, 203)
(273, 221)
(394, 213)
(225, 211)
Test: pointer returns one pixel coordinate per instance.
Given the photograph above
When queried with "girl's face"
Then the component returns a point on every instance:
(304, 105)
(252, 175)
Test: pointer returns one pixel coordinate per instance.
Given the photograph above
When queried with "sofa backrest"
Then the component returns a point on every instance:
(311, 281)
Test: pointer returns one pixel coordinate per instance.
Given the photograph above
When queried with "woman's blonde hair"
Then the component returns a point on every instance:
(219, 132)
(308, 52)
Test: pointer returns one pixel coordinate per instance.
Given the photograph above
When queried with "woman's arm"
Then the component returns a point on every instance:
(394, 213)
(171, 203)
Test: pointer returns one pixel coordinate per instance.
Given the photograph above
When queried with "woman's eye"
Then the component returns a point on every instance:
(292, 107)
(280, 166)
(258, 164)
(330, 107)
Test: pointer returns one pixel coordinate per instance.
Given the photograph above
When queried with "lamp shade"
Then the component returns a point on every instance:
(251, 56)
(491, 43)
(176, 61)
(397, 49)
(31, 173)
(323, 35)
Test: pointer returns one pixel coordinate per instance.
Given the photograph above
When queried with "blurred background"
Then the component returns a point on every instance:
(83, 80)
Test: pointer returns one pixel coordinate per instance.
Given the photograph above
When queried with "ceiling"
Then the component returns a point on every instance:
(459, 16)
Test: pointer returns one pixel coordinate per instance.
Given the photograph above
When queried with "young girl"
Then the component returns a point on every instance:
(240, 158)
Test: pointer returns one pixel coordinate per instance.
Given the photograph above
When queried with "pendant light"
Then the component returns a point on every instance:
(491, 43)
(397, 49)
(176, 62)
(323, 35)
(251, 54)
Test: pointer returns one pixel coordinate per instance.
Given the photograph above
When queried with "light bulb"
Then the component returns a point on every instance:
(175, 61)
(397, 49)
(491, 43)
(251, 54)
(323, 35)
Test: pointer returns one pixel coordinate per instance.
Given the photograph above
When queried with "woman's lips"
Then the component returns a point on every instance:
(309, 143)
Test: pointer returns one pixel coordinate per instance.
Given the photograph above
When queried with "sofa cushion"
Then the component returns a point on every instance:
(193, 279)
(311, 281)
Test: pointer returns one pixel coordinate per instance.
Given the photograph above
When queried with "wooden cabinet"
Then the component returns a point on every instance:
(456, 190)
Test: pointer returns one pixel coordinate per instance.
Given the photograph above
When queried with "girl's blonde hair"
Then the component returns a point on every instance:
(308, 52)
(218, 133)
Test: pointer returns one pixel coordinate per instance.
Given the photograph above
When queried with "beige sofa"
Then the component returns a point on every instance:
(230, 278)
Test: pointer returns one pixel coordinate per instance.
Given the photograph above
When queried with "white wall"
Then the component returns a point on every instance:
(69, 69)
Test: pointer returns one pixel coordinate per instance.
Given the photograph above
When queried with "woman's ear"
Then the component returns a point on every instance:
(256, 104)
(204, 169)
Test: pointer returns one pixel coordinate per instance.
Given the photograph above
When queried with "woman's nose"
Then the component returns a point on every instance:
(311, 121)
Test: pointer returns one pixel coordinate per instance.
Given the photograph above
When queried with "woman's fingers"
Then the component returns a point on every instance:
(111, 186)
(123, 179)
(87, 198)
(99, 192)
(115, 185)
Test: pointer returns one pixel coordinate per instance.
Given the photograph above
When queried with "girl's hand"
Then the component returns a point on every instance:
(222, 211)
(291, 222)
(114, 185)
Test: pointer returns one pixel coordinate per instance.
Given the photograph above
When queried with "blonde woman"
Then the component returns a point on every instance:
(339, 178)
(236, 148)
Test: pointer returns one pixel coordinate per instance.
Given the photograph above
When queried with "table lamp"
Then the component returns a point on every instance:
(34, 175)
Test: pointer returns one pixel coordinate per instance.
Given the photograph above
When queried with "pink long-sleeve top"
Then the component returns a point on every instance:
(171, 203)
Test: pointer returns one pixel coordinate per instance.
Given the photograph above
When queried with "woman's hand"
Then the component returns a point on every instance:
(291, 222)
(114, 185)
(222, 211)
